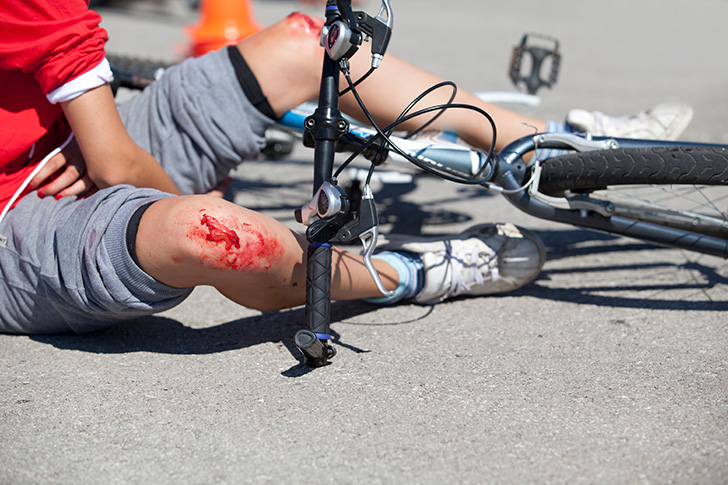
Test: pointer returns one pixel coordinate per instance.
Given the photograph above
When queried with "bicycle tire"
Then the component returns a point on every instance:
(680, 187)
(630, 166)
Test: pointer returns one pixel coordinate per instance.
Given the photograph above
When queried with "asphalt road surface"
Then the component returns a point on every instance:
(610, 368)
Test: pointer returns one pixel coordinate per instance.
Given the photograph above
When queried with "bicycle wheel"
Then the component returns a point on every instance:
(679, 187)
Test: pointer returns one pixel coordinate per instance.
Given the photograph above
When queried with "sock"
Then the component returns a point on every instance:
(411, 276)
(554, 127)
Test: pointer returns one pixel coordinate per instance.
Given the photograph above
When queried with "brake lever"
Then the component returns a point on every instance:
(371, 235)
(366, 228)
(378, 29)
(330, 207)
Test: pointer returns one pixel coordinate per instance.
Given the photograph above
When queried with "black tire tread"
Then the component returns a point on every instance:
(593, 170)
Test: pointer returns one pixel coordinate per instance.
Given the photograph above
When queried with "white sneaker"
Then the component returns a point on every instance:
(483, 260)
(662, 122)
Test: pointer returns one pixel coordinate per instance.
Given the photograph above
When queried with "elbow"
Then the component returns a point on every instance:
(108, 177)
(126, 166)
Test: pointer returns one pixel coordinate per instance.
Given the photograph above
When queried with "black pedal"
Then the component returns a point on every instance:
(538, 49)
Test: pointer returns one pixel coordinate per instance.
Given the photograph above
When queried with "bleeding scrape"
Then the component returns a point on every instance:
(249, 250)
(308, 24)
(217, 232)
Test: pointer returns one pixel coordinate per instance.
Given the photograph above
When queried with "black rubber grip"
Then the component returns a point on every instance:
(314, 351)
(318, 288)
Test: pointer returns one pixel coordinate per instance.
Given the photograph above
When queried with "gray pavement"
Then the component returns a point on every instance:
(610, 368)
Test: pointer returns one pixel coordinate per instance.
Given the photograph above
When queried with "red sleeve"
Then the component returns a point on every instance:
(55, 40)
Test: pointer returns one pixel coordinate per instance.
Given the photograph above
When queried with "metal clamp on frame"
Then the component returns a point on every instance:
(580, 144)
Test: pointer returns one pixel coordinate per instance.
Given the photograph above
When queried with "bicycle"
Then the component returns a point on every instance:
(574, 189)
(667, 193)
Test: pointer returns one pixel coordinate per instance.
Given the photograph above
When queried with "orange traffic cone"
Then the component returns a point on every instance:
(222, 22)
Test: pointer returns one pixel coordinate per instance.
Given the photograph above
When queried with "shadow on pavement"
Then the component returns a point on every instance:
(658, 282)
(167, 336)
(164, 335)
(658, 298)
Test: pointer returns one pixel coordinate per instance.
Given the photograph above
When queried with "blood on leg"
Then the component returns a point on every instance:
(232, 244)
(300, 22)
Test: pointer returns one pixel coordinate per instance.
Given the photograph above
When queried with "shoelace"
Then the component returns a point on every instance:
(462, 259)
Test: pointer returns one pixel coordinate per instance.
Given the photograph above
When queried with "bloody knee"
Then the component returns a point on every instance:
(301, 24)
(224, 238)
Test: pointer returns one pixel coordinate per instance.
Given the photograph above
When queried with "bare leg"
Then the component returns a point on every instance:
(396, 83)
(286, 59)
(250, 258)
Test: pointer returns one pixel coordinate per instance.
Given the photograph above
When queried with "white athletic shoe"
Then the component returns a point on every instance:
(662, 122)
(483, 260)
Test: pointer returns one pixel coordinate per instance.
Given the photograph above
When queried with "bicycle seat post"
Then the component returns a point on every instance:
(326, 126)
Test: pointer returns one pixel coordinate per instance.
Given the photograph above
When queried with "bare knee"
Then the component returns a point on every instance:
(186, 241)
(298, 31)
(225, 237)
(294, 43)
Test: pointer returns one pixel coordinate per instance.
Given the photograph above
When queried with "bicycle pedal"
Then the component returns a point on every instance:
(547, 50)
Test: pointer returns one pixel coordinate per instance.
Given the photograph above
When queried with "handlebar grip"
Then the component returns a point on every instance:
(312, 341)
(315, 352)
(318, 288)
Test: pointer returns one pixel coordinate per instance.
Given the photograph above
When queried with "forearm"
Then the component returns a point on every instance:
(111, 156)
(133, 166)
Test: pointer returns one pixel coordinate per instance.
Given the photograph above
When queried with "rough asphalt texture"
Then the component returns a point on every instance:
(610, 368)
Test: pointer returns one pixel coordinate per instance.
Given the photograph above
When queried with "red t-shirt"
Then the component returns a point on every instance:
(44, 44)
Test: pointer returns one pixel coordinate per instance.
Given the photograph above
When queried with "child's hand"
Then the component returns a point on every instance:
(64, 175)
(220, 189)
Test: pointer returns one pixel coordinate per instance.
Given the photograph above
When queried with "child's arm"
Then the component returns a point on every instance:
(111, 156)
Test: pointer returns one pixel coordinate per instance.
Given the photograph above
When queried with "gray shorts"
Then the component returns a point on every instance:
(65, 265)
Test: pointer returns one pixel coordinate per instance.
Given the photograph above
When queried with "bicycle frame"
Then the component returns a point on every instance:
(509, 174)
